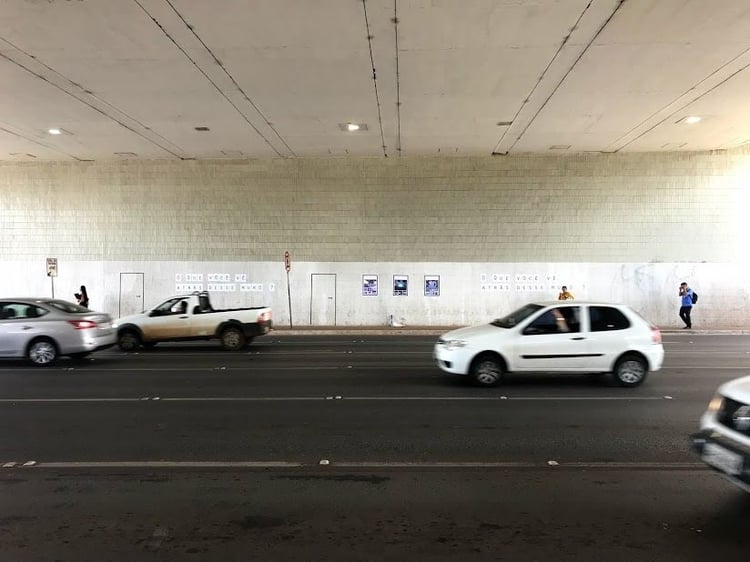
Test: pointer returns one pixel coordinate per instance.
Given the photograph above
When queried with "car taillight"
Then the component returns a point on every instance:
(82, 324)
(655, 335)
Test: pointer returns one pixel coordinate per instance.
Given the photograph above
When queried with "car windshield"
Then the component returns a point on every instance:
(66, 306)
(166, 306)
(517, 316)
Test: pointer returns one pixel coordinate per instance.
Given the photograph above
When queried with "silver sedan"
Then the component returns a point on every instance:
(43, 329)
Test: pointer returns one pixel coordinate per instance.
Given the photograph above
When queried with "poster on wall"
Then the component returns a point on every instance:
(400, 285)
(369, 285)
(432, 285)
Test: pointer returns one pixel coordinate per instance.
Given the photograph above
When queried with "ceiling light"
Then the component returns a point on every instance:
(54, 131)
(353, 127)
(692, 120)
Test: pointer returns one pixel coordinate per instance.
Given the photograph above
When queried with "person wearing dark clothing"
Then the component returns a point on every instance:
(686, 296)
(83, 297)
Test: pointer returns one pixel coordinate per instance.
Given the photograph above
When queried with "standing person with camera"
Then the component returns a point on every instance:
(686, 294)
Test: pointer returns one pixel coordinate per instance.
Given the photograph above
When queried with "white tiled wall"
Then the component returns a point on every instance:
(616, 227)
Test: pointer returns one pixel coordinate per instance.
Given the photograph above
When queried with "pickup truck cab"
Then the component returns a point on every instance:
(191, 317)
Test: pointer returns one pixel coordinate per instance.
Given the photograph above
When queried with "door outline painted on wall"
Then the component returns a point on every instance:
(323, 299)
(131, 294)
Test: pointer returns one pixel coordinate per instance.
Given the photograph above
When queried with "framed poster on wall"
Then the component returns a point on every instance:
(432, 285)
(369, 285)
(400, 285)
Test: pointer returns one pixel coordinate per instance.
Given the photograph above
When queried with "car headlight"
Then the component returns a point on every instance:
(450, 345)
(716, 403)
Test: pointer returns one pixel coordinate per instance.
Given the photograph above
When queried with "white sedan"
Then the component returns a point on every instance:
(559, 337)
(724, 439)
(43, 329)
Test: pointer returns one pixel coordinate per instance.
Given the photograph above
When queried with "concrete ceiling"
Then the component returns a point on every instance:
(133, 79)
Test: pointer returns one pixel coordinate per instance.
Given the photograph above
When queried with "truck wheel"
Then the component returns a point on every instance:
(232, 339)
(128, 340)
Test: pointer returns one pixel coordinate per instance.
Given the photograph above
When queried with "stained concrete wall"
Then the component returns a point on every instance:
(498, 231)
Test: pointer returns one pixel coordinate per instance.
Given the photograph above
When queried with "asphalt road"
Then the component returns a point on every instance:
(355, 447)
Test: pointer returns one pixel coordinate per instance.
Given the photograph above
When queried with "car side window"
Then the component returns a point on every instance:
(607, 318)
(7, 311)
(13, 310)
(559, 320)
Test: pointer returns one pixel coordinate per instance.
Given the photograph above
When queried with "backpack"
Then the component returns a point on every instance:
(695, 297)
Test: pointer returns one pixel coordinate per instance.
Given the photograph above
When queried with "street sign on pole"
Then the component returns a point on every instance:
(51, 267)
(52, 273)
(288, 267)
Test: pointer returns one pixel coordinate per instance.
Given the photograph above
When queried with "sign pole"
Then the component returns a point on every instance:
(288, 267)
(52, 273)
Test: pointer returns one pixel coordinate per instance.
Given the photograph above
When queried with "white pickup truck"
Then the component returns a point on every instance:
(191, 317)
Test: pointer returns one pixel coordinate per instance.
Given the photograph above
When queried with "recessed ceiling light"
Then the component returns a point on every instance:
(353, 127)
(692, 120)
(54, 131)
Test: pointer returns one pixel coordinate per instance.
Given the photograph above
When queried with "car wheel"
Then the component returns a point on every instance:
(487, 371)
(42, 352)
(128, 340)
(232, 339)
(630, 370)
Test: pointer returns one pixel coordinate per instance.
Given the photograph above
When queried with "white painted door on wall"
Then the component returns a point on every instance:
(323, 299)
(131, 294)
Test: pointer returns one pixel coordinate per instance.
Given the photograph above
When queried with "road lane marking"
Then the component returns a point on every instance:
(337, 398)
(6, 400)
(331, 464)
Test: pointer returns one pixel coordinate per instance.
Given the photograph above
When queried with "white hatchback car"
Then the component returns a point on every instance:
(724, 439)
(557, 336)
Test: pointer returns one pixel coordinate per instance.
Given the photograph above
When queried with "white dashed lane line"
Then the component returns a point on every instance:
(368, 465)
(337, 397)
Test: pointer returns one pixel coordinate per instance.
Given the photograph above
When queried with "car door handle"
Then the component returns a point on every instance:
(578, 338)
(184, 317)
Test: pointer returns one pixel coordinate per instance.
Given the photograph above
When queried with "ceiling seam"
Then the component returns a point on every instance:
(374, 79)
(398, 80)
(197, 66)
(52, 148)
(676, 100)
(567, 73)
(81, 90)
(229, 75)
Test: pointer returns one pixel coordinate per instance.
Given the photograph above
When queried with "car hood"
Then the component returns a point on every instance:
(738, 389)
(474, 332)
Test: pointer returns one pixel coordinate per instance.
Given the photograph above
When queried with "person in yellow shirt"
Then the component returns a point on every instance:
(565, 295)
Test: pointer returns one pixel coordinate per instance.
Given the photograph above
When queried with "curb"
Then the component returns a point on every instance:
(439, 330)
